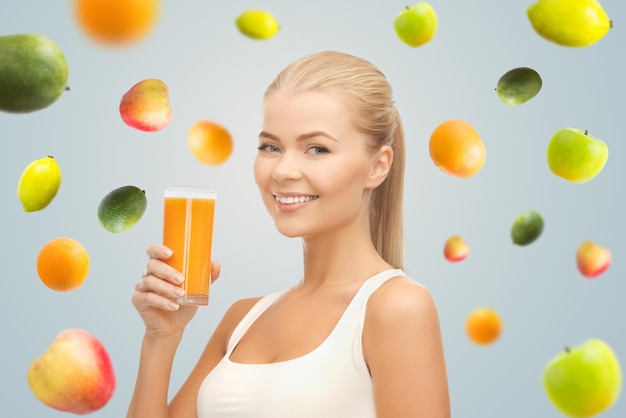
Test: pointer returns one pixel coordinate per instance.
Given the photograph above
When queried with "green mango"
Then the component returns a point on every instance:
(33, 73)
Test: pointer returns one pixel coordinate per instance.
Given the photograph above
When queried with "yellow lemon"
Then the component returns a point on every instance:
(39, 184)
(257, 24)
(574, 23)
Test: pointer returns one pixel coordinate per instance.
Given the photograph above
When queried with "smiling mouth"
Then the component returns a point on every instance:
(288, 200)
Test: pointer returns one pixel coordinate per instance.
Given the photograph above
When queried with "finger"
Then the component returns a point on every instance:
(159, 251)
(143, 301)
(164, 271)
(216, 269)
(152, 284)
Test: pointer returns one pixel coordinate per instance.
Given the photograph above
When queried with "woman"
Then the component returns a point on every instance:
(355, 337)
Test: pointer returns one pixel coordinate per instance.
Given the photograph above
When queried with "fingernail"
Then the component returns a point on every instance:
(179, 278)
(173, 306)
(178, 292)
(168, 253)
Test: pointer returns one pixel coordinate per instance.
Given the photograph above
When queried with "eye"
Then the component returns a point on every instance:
(268, 148)
(317, 150)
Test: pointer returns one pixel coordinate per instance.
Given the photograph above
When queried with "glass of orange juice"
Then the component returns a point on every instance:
(188, 213)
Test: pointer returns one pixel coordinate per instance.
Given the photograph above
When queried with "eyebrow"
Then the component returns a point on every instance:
(300, 138)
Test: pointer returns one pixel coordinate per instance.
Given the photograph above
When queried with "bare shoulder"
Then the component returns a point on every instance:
(217, 344)
(234, 314)
(403, 350)
(401, 298)
(241, 307)
(400, 307)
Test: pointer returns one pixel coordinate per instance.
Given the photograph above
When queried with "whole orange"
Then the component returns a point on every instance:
(210, 142)
(63, 264)
(116, 21)
(483, 326)
(457, 149)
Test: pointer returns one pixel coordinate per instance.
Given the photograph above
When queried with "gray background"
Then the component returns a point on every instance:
(215, 73)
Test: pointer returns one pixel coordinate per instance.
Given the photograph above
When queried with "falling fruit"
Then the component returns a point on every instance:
(146, 106)
(39, 183)
(416, 25)
(455, 249)
(122, 208)
(74, 374)
(583, 381)
(117, 22)
(63, 264)
(33, 73)
(257, 24)
(592, 259)
(527, 228)
(572, 23)
(210, 142)
(576, 156)
(457, 149)
(518, 86)
(483, 326)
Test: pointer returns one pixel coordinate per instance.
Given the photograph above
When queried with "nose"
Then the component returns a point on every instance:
(287, 168)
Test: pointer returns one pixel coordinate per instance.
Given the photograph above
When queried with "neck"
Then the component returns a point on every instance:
(340, 258)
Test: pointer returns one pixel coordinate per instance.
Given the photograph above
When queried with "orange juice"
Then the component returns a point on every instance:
(188, 231)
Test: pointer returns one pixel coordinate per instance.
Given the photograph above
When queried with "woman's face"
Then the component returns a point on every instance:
(313, 166)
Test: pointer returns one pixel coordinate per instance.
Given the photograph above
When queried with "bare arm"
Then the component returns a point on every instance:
(404, 352)
(153, 376)
(157, 355)
(165, 323)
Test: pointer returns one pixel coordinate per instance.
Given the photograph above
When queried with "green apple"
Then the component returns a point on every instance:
(575, 155)
(583, 381)
(416, 25)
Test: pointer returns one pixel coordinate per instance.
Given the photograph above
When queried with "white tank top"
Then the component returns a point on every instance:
(332, 381)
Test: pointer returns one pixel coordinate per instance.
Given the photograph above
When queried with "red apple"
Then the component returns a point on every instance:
(74, 374)
(146, 106)
(455, 249)
(592, 259)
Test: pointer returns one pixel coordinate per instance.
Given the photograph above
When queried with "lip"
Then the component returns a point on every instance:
(291, 207)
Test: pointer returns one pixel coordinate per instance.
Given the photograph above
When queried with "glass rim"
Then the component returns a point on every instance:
(189, 191)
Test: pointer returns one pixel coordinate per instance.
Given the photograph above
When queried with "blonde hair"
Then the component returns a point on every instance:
(370, 100)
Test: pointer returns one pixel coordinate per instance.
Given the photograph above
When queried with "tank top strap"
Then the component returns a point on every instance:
(259, 307)
(374, 282)
(356, 307)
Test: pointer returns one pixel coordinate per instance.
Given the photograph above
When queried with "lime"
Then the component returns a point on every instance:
(518, 86)
(39, 184)
(122, 208)
(527, 228)
(257, 24)
(573, 23)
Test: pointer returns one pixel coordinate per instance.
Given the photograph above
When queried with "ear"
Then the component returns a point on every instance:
(381, 164)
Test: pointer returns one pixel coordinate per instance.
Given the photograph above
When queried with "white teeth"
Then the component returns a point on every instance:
(291, 199)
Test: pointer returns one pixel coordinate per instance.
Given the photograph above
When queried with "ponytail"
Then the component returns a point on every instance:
(387, 205)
